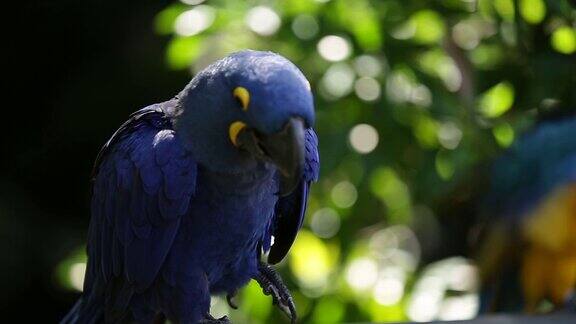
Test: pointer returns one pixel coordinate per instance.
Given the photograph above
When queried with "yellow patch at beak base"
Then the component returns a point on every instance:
(243, 96)
(235, 129)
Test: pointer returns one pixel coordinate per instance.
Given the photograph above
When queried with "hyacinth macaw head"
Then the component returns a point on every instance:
(247, 108)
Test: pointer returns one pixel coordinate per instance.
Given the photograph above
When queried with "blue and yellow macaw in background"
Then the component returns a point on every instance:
(190, 193)
(528, 254)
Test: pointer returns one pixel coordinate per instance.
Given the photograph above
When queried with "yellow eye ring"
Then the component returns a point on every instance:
(243, 96)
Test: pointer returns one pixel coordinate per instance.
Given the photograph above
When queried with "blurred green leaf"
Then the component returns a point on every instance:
(533, 11)
(426, 131)
(428, 134)
(182, 51)
(428, 26)
(361, 19)
(444, 165)
(329, 310)
(564, 40)
(497, 100)
(393, 192)
(504, 134)
(311, 260)
(505, 8)
(255, 302)
(164, 20)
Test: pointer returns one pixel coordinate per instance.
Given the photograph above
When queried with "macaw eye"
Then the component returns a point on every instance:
(242, 96)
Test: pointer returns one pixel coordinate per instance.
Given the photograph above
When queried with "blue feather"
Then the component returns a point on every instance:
(179, 212)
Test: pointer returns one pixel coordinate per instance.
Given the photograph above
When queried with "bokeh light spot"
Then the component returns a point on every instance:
(310, 260)
(77, 271)
(334, 48)
(428, 26)
(497, 100)
(367, 66)
(305, 26)
(466, 35)
(263, 20)
(504, 134)
(533, 11)
(361, 274)
(505, 8)
(71, 270)
(194, 21)
(344, 194)
(449, 135)
(363, 138)
(325, 222)
(389, 289)
(564, 40)
(338, 81)
(367, 89)
(182, 51)
(424, 306)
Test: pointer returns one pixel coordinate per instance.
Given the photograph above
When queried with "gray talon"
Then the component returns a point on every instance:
(272, 285)
(230, 300)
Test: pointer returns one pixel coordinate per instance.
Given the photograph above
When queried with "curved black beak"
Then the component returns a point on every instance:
(284, 149)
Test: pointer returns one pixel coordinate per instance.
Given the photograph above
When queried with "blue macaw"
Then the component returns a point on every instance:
(529, 251)
(189, 194)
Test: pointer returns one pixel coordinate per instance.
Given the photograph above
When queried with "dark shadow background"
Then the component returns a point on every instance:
(76, 69)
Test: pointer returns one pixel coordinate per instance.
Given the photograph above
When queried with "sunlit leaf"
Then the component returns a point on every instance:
(311, 260)
(361, 19)
(497, 100)
(564, 40)
(504, 134)
(533, 11)
(255, 302)
(429, 27)
(505, 8)
(426, 131)
(487, 56)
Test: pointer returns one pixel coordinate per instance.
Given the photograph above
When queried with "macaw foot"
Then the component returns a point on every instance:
(211, 320)
(272, 284)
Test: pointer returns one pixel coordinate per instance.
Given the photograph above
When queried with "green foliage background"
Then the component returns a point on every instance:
(459, 80)
(446, 85)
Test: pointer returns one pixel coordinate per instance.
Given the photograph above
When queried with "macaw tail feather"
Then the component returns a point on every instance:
(72, 316)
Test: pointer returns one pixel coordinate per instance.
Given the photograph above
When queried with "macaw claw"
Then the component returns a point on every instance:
(273, 285)
(230, 300)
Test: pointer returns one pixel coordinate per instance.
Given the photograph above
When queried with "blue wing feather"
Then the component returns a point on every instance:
(290, 210)
(143, 182)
